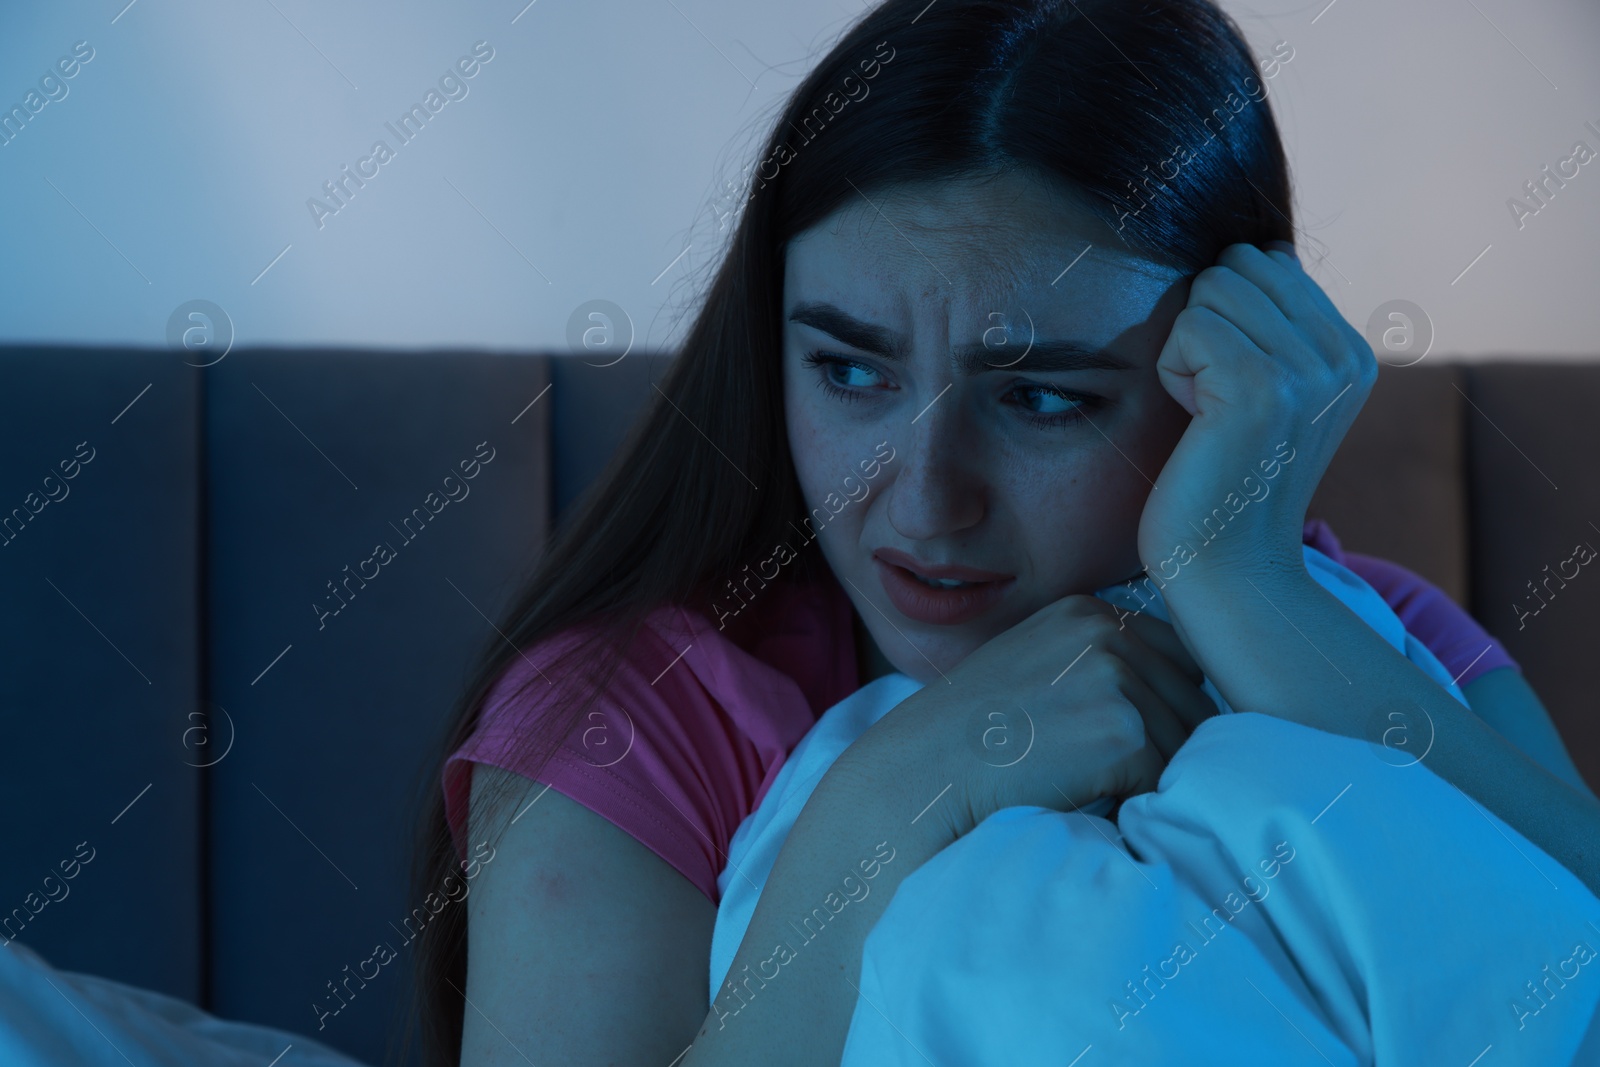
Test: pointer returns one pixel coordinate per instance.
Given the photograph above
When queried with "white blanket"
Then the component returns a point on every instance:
(1286, 896)
(53, 1018)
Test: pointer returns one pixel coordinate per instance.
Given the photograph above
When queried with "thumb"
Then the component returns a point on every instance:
(1141, 773)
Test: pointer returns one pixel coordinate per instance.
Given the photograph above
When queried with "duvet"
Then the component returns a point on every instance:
(1286, 896)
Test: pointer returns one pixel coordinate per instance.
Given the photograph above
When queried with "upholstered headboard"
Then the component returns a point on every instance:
(215, 686)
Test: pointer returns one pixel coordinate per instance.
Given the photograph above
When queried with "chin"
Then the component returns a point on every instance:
(923, 677)
(932, 666)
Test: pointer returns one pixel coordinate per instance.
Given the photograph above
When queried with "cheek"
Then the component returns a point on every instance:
(829, 445)
(819, 450)
(1080, 522)
(1083, 505)
(805, 436)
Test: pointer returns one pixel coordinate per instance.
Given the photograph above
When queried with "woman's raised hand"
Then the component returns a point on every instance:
(1067, 706)
(1273, 376)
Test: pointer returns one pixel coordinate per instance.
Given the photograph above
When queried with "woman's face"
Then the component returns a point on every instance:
(1028, 462)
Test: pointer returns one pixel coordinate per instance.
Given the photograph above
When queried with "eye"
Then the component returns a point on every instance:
(1043, 406)
(1055, 407)
(856, 377)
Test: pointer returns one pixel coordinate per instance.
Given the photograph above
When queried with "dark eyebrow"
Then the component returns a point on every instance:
(1043, 356)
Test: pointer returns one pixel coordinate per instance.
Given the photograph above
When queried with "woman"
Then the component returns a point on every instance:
(996, 317)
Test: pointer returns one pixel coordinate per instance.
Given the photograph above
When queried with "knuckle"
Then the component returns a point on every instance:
(1101, 628)
(1099, 674)
(1122, 727)
(1061, 610)
(1331, 336)
(1079, 604)
(1211, 282)
(1194, 316)
(1232, 253)
(1122, 674)
(1108, 673)
(1280, 382)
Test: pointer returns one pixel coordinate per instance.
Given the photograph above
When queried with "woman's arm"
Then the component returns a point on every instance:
(1260, 354)
(1496, 689)
(924, 774)
(584, 947)
(1504, 699)
(790, 991)
(1274, 641)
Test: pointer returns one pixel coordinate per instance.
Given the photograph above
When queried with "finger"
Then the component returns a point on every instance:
(1301, 300)
(1179, 694)
(1201, 340)
(1314, 293)
(1278, 276)
(1162, 726)
(1163, 637)
(1141, 774)
(1259, 303)
(1283, 248)
(1164, 664)
(1160, 635)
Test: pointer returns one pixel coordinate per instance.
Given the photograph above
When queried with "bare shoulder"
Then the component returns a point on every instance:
(583, 946)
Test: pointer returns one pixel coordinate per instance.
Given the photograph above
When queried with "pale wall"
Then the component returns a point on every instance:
(590, 152)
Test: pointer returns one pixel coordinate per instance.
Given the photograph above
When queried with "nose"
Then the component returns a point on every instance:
(938, 488)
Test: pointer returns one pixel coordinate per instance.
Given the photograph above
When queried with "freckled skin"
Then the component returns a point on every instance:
(972, 481)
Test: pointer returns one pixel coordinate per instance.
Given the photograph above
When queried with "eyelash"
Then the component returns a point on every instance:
(1085, 401)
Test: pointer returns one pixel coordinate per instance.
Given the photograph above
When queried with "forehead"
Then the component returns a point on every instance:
(965, 250)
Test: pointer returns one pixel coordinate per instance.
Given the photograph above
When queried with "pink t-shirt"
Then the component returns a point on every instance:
(1463, 647)
(693, 728)
(696, 725)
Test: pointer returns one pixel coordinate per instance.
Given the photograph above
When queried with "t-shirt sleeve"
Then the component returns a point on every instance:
(657, 755)
(1455, 638)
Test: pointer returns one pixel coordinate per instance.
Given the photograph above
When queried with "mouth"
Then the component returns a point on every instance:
(939, 599)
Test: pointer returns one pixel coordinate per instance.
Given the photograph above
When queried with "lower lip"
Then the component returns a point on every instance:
(942, 607)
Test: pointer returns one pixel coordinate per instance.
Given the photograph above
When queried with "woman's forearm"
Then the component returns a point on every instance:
(790, 992)
(1275, 641)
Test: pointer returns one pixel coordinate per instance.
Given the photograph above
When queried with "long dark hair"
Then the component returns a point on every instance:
(1153, 112)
